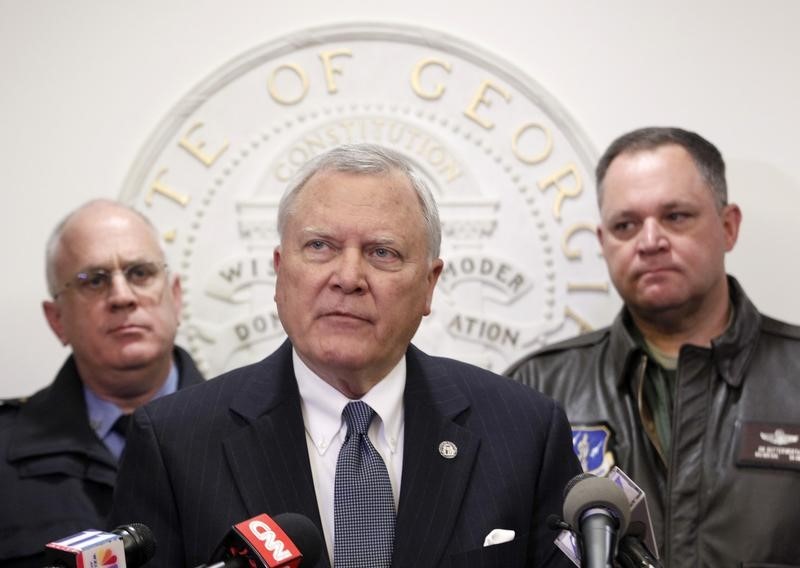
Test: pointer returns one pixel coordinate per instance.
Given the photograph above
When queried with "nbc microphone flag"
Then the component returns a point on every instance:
(89, 549)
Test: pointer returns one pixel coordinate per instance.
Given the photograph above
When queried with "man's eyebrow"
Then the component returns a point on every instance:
(678, 203)
(125, 264)
(669, 205)
(315, 231)
(619, 213)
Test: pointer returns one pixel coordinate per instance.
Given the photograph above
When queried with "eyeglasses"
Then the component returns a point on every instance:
(142, 277)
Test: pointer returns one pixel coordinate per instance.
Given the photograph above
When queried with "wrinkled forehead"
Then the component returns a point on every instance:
(667, 170)
(110, 240)
(359, 188)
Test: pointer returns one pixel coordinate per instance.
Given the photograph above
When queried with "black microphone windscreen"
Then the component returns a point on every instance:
(304, 534)
(575, 480)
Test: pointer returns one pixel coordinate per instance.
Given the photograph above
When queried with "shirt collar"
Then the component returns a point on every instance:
(322, 405)
(103, 414)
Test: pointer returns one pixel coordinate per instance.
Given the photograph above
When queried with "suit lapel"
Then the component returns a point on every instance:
(268, 457)
(433, 486)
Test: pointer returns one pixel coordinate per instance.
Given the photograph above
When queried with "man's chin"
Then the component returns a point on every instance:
(346, 358)
(660, 306)
(343, 361)
(134, 357)
(658, 292)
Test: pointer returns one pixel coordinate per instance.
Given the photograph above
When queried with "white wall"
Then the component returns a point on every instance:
(85, 82)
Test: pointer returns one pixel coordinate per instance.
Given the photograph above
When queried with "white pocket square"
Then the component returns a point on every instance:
(498, 536)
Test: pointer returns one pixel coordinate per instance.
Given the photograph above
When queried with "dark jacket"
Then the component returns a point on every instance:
(56, 475)
(730, 498)
(201, 460)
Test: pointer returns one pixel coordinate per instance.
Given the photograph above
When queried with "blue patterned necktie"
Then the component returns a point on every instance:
(363, 506)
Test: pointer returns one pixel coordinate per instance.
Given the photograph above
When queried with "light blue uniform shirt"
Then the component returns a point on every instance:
(103, 414)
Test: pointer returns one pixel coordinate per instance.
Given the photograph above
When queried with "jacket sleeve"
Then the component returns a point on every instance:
(558, 465)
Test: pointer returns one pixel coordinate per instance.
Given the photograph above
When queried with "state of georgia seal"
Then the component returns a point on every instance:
(510, 171)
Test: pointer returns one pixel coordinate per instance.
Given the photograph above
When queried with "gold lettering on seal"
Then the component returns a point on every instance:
(587, 287)
(330, 70)
(563, 191)
(480, 98)
(583, 325)
(416, 83)
(196, 148)
(163, 189)
(571, 253)
(301, 76)
(536, 158)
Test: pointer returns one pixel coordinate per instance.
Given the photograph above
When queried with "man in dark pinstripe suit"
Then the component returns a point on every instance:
(476, 462)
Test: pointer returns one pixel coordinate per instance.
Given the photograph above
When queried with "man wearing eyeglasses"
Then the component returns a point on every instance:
(117, 306)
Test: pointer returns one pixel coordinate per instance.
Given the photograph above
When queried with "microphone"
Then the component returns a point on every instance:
(639, 544)
(598, 510)
(290, 540)
(127, 546)
(633, 552)
(138, 542)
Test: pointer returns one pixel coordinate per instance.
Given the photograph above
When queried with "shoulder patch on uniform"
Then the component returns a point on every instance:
(592, 444)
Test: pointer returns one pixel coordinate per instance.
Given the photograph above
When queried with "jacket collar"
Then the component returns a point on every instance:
(731, 351)
(624, 350)
(188, 373)
(426, 382)
(55, 421)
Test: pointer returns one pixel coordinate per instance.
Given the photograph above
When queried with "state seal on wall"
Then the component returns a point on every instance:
(511, 172)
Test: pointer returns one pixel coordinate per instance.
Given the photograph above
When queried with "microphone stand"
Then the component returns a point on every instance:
(633, 553)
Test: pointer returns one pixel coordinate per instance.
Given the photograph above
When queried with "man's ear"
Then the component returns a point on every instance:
(276, 258)
(731, 221)
(276, 263)
(177, 296)
(434, 272)
(52, 312)
(599, 232)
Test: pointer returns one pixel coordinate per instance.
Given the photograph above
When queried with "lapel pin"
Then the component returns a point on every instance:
(448, 450)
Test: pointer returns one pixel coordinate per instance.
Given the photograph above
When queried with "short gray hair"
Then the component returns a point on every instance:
(53, 247)
(366, 159)
(707, 158)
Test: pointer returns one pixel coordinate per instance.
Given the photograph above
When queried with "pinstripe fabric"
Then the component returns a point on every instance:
(199, 461)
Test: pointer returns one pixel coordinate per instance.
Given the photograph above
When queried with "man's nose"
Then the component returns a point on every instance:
(349, 273)
(120, 291)
(652, 237)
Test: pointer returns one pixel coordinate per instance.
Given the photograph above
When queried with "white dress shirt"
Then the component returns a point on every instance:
(322, 407)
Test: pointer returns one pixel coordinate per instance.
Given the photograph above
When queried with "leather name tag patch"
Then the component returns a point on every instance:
(767, 444)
